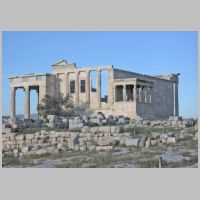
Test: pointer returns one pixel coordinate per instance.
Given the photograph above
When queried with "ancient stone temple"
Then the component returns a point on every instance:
(128, 93)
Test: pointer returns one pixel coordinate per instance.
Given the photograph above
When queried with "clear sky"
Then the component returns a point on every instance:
(145, 52)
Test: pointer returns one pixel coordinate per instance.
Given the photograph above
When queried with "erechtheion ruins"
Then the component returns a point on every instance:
(129, 94)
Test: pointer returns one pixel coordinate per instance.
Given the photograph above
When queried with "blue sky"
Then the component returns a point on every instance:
(150, 53)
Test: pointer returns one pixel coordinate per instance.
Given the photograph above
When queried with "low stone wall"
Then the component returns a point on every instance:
(90, 138)
(52, 142)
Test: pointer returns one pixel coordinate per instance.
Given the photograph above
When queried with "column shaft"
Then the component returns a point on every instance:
(140, 90)
(124, 93)
(12, 110)
(27, 103)
(135, 93)
(176, 100)
(99, 88)
(145, 94)
(77, 89)
(38, 100)
(67, 84)
(87, 88)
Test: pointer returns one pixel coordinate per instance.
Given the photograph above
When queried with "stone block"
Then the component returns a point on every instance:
(41, 151)
(59, 139)
(7, 130)
(122, 140)
(104, 148)
(142, 142)
(148, 143)
(85, 129)
(19, 137)
(132, 142)
(171, 140)
(34, 141)
(16, 152)
(115, 129)
(25, 150)
(163, 136)
(105, 141)
(29, 136)
(82, 147)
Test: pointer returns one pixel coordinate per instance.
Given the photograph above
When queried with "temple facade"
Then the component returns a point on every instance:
(128, 93)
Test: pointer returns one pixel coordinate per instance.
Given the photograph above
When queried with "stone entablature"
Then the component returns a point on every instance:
(129, 93)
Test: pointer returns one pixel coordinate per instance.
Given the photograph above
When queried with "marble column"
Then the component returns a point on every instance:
(77, 89)
(12, 106)
(99, 88)
(66, 84)
(145, 94)
(38, 100)
(27, 103)
(111, 89)
(150, 95)
(124, 93)
(140, 91)
(135, 93)
(87, 88)
(176, 100)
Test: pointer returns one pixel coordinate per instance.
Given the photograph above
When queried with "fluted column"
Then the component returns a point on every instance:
(66, 84)
(176, 100)
(145, 94)
(150, 95)
(27, 103)
(140, 90)
(124, 93)
(77, 89)
(99, 88)
(135, 93)
(87, 88)
(12, 106)
(38, 100)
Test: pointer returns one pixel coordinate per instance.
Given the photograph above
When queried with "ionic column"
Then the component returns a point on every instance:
(176, 100)
(12, 106)
(135, 93)
(38, 100)
(140, 90)
(87, 88)
(124, 93)
(77, 89)
(150, 95)
(145, 94)
(27, 103)
(66, 84)
(99, 88)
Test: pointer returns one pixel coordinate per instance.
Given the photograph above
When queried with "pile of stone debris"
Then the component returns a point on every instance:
(173, 121)
(89, 138)
(95, 119)
(53, 121)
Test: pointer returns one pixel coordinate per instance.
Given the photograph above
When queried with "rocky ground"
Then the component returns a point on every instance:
(99, 142)
(183, 154)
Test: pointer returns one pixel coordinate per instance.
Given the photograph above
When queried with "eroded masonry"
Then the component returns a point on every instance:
(129, 94)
